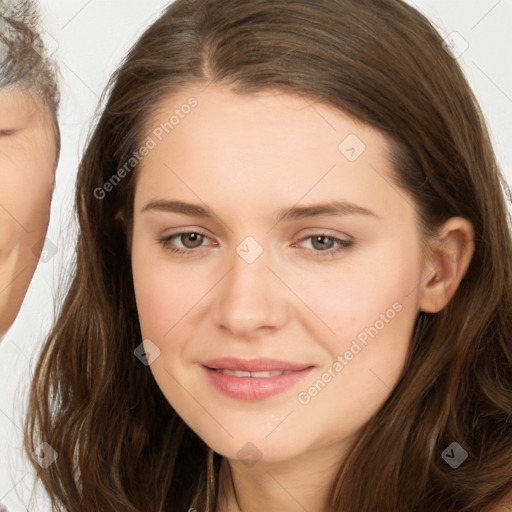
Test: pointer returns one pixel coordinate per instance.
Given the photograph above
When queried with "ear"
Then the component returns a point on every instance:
(119, 216)
(448, 260)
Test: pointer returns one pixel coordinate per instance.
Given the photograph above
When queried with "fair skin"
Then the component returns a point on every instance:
(247, 157)
(28, 153)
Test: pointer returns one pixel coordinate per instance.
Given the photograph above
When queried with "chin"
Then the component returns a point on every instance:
(251, 446)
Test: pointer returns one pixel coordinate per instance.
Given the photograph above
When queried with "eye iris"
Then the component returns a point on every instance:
(192, 240)
(325, 242)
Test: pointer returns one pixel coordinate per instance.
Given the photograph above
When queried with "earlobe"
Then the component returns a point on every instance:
(449, 258)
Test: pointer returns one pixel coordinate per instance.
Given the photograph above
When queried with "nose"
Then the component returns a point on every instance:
(250, 300)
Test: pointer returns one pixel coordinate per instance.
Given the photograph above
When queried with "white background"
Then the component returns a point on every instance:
(90, 39)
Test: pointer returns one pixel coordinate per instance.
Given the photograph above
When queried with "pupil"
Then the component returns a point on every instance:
(323, 241)
(192, 240)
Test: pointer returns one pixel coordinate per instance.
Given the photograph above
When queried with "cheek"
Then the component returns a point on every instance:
(367, 314)
(164, 297)
(27, 171)
(169, 307)
(344, 299)
(372, 325)
(25, 195)
(38, 203)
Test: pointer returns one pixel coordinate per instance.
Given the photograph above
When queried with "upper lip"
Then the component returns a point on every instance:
(253, 365)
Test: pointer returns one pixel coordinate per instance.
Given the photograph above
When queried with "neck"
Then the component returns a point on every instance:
(295, 485)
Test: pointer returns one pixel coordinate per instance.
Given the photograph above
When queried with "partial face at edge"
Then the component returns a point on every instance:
(28, 153)
(336, 293)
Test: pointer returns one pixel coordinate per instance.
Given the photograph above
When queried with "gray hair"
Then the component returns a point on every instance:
(23, 60)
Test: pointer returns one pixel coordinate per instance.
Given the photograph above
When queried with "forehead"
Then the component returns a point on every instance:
(260, 151)
(268, 109)
(270, 125)
(22, 103)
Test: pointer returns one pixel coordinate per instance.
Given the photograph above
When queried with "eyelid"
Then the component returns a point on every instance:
(301, 239)
(342, 244)
(166, 239)
(325, 232)
(186, 232)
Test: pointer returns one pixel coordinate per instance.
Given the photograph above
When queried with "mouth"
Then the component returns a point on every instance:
(254, 366)
(254, 379)
(254, 375)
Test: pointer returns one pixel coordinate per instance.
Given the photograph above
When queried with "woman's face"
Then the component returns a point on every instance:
(268, 237)
(28, 153)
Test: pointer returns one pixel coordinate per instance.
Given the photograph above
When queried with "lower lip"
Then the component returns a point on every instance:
(254, 388)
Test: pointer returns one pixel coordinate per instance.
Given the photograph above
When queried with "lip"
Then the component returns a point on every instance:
(253, 389)
(254, 365)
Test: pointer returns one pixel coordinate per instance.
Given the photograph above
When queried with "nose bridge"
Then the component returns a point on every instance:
(250, 297)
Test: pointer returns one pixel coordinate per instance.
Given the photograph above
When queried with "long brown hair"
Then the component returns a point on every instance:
(120, 445)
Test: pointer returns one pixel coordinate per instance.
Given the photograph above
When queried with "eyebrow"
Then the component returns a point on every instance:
(292, 213)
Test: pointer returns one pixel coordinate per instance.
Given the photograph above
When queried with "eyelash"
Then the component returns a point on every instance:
(343, 244)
